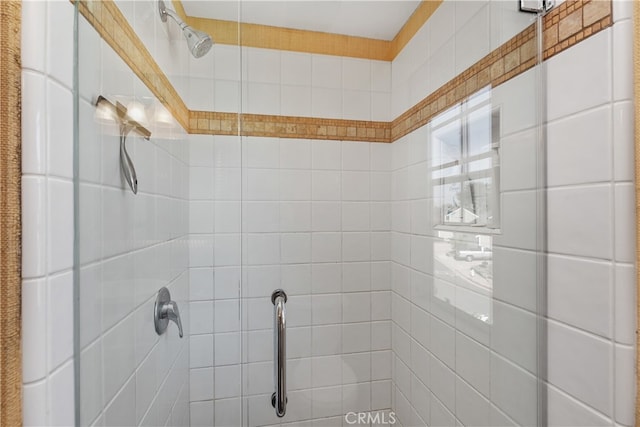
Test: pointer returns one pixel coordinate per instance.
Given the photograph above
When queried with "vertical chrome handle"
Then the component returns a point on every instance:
(279, 397)
(165, 310)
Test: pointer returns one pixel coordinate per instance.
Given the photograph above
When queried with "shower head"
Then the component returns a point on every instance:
(199, 43)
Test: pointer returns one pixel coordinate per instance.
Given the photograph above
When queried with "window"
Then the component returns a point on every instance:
(465, 164)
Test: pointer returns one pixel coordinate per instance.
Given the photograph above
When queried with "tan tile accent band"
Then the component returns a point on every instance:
(289, 39)
(10, 215)
(207, 122)
(564, 26)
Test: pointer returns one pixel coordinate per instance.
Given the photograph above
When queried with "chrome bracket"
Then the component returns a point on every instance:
(536, 6)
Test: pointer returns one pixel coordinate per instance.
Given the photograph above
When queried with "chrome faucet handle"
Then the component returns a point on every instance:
(166, 310)
(171, 312)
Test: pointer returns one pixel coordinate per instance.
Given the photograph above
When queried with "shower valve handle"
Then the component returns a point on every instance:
(166, 310)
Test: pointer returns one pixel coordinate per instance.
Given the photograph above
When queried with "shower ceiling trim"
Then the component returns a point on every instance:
(289, 39)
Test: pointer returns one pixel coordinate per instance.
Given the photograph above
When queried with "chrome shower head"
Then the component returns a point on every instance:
(199, 43)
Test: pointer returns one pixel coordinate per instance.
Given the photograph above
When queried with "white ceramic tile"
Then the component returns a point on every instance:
(356, 337)
(295, 184)
(227, 349)
(262, 184)
(472, 40)
(294, 216)
(60, 318)
(226, 96)
(34, 330)
(356, 307)
(201, 413)
(355, 186)
(201, 317)
(326, 278)
(623, 141)
(356, 246)
(326, 71)
(587, 234)
(200, 350)
(60, 42)
(262, 98)
(60, 388)
(295, 68)
(326, 185)
(592, 311)
(295, 248)
(624, 384)
(567, 372)
(356, 276)
(227, 382)
(60, 224)
(295, 101)
(226, 316)
(622, 9)
(326, 309)
(34, 398)
(356, 105)
(590, 134)
(201, 383)
(34, 114)
(625, 245)
(261, 152)
(116, 370)
(326, 247)
(326, 216)
(295, 154)
(263, 65)
(326, 102)
(471, 406)
(565, 82)
(625, 309)
(565, 410)
(34, 223)
(33, 36)
(622, 62)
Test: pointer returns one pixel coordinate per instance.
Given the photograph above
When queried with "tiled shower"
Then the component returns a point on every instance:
(392, 309)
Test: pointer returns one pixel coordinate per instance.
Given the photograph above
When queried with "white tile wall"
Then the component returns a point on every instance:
(128, 374)
(589, 270)
(344, 227)
(301, 233)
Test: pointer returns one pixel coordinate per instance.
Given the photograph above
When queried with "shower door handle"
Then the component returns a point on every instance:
(279, 397)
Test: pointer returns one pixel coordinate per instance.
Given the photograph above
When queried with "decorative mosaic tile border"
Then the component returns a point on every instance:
(206, 122)
(566, 25)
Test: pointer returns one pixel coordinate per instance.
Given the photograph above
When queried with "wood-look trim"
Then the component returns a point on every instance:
(10, 215)
(568, 24)
(289, 39)
(636, 85)
(421, 15)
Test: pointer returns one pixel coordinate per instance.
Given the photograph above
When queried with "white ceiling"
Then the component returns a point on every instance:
(372, 19)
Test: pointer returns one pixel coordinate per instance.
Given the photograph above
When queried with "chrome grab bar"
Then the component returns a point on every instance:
(279, 397)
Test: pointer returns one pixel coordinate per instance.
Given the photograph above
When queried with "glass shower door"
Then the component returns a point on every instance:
(413, 267)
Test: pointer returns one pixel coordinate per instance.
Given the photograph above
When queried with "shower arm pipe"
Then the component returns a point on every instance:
(164, 12)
